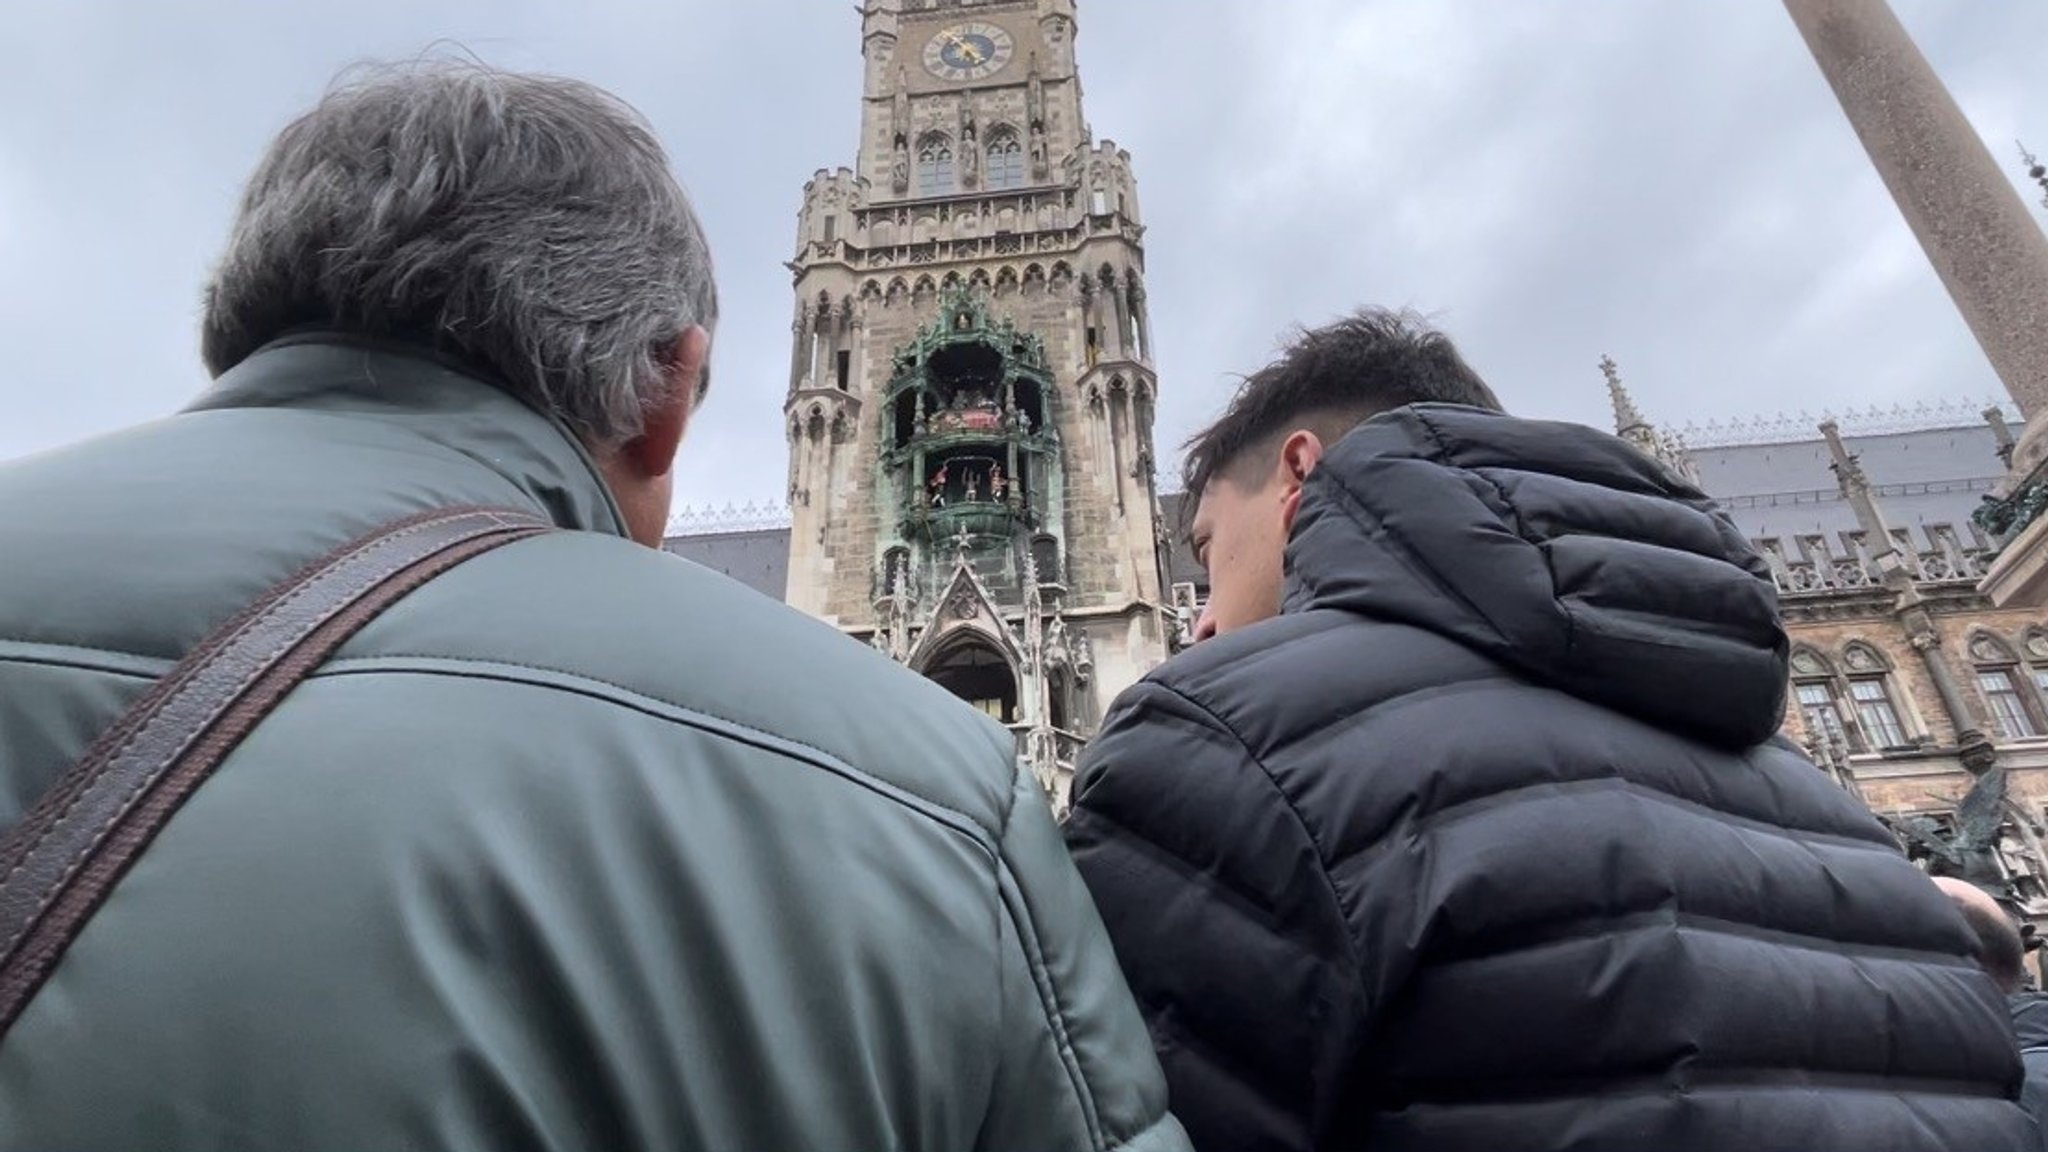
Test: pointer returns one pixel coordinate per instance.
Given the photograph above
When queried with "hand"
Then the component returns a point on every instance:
(967, 49)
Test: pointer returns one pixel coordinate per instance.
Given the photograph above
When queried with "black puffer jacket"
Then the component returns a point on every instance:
(1487, 842)
(2030, 1027)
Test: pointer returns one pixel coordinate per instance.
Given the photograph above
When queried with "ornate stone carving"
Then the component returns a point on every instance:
(964, 605)
(1860, 658)
(1810, 665)
(1969, 849)
(1986, 649)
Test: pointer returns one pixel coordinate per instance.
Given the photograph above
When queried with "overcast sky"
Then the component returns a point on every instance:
(1666, 181)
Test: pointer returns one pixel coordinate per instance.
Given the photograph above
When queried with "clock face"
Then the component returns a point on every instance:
(969, 52)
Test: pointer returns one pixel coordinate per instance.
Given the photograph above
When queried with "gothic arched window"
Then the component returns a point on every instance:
(935, 166)
(1005, 161)
(2013, 703)
(1820, 704)
(2037, 654)
(1870, 693)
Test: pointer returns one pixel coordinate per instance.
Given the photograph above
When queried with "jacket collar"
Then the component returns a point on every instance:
(435, 398)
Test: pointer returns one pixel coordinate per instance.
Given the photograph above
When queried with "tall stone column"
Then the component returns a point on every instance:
(1990, 254)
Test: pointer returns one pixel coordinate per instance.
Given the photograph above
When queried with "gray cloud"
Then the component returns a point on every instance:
(1671, 183)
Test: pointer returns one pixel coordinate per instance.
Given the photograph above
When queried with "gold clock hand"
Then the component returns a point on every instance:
(967, 49)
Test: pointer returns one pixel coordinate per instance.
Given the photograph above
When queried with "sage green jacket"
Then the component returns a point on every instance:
(580, 847)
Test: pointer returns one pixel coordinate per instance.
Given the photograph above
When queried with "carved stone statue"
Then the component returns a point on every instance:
(899, 170)
(1041, 166)
(1970, 852)
(1057, 654)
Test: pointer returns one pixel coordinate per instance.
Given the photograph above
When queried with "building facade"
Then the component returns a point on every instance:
(1909, 684)
(971, 392)
(972, 473)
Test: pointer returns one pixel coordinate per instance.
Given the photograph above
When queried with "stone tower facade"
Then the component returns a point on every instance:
(971, 394)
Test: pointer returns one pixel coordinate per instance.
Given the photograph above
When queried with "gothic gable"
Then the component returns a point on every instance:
(965, 604)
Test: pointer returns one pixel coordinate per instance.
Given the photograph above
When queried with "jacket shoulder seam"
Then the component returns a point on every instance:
(1019, 912)
(84, 658)
(672, 711)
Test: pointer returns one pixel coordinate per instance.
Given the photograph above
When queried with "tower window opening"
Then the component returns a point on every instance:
(1005, 163)
(906, 418)
(968, 478)
(1100, 202)
(845, 370)
(935, 167)
(831, 229)
(1057, 690)
(1031, 404)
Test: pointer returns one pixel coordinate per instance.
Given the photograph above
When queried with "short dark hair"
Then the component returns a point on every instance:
(1331, 379)
(2000, 951)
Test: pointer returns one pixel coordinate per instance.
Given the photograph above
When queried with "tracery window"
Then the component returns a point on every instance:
(1820, 707)
(1875, 713)
(935, 174)
(1822, 713)
(1005, 162)
(2014, 704)
(1870, 694)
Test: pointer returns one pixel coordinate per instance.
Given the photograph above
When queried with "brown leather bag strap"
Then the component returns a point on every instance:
(62, 859)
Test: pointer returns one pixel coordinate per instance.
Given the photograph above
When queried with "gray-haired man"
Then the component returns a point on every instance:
(546, 857)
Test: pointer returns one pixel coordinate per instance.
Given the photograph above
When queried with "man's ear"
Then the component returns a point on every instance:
(652, 454)
(1299, 455)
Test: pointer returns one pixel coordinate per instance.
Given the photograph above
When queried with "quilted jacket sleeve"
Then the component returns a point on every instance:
(1224, 919)
(1076, 1070)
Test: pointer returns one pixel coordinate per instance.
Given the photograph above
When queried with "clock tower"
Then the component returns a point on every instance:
(971, 395)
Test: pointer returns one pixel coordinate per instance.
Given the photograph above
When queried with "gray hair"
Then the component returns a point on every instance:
(528, 225)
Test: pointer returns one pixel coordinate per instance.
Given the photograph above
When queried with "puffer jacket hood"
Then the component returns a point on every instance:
(1561, 552)
(1487, 842)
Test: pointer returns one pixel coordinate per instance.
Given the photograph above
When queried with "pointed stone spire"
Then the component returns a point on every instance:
(1630, 425)
(1628, 419)
(1856, 489)
(2001, 433)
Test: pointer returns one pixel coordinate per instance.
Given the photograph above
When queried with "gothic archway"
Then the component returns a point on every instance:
(969, 666)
